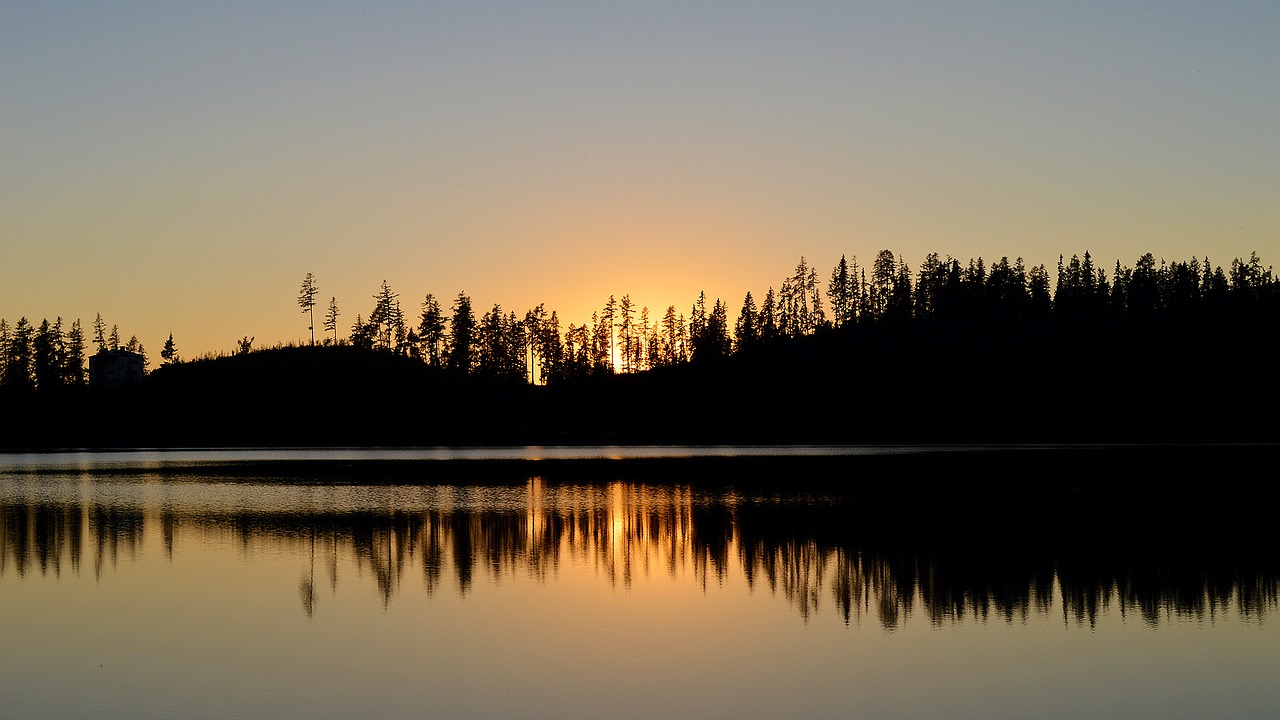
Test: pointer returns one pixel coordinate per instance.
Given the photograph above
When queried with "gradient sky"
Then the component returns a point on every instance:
(179, 167)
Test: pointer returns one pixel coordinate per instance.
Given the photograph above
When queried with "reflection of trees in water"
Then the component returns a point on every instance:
(43, 537)
(114, 530)
(812, 553)
(47, 537)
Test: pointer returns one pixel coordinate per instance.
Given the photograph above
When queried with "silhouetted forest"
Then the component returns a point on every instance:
(948, 352)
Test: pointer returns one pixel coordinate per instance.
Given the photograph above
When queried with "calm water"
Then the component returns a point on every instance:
(318, 584)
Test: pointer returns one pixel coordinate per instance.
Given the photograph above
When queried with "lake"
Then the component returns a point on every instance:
(640, 582)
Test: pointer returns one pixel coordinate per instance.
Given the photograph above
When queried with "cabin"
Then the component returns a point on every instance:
(115, 368)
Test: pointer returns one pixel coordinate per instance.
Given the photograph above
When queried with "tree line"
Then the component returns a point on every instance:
(47, 357)
(622, 338)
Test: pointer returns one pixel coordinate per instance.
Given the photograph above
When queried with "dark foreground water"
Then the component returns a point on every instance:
(553, 582)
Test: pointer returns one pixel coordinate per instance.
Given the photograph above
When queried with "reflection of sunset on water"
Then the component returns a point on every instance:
(620, 532)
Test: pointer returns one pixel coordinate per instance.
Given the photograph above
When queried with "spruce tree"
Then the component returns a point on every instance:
(431, 331)
(4, 348)
(169, 353)
(331, 319)
(747, 331)
(73, 360)
(840, 294)
(462, 328)
(768, 317)
(17, 371)
(44, 358)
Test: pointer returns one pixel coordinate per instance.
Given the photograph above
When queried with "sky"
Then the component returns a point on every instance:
(179, 167)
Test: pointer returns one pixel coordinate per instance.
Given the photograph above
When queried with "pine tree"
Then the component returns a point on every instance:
(307, 301)
(671, 332)
(642, 346)
(535, 321)
(99, 328)
(552, 348)
(626, 329)
(514, 347)
(607, 318)
(602, 343)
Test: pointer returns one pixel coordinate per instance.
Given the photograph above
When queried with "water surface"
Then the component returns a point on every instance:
(215, 584)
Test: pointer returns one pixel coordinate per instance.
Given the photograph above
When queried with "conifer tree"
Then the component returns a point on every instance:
(884, 273)
(4, 348)
(386, 318)
(1041, 304)
(462, 327)
(307, 301)
(331, 319)
(552, 350)
(768, 317)
(746, 331)
(698, 323)
(362, 334)
(607, 318)
(840, 292)
(626, 329)
(640, 361)
(431, 331)
(817, 316)
(17, 371)
(99, 338)
(672, 329)
(45, 366)
(718, 330)
(601, 342)
(399, 336)
(73, 367)
(169, 353)
(536, 343)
